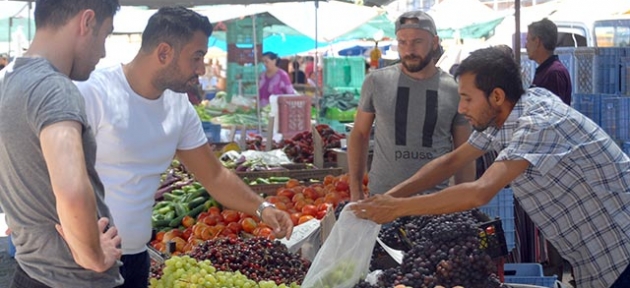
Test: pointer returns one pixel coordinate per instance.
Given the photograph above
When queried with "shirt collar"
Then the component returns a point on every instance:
(547, 63)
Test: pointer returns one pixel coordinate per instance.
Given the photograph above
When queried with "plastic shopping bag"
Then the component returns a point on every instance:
(344, 259)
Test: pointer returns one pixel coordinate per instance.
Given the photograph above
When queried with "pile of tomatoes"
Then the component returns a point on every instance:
(302, 202)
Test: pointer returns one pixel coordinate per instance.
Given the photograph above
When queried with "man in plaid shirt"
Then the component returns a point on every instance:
(566, 172)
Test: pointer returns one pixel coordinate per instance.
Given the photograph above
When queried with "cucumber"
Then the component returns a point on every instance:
(161, 204)
(169, 216)
(279, 179)
(262, 181)
(178, 192)
(176, 221)
(160, 223)
(180, 209)
(198, 209)
(165, 209)
(201, 192)
(171, 196)
(197, 185)
(196, 202)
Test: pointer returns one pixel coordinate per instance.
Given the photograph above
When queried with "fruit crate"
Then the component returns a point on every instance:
(242, 31)
(267, 189)
(527, 273)
(528, 70)
(213, 131)
(566, 56)
(590, 105)
(344, 71)
(301, 172)
(615, 117)
(586, 73)
(492, 238)
(502, 206)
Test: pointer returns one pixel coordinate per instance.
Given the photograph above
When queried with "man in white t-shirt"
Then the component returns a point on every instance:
(142, 118)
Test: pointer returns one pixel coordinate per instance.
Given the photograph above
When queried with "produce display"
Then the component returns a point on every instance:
(187, 272)
(300, 148)
(175, 177)
(257, 258)
(442, 250)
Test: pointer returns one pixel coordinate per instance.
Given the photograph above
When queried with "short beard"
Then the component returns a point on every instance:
(423, 64)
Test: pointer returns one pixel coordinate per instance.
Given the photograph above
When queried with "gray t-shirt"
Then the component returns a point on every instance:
(34, 95)
(414, 123)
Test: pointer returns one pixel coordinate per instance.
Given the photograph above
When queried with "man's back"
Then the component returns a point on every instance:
(553, 76)
(34, 95)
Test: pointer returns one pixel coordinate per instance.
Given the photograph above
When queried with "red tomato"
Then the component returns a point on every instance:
(305, 218)
(297, 197)
(322, 207)
(230, 216)
(342, 186)
(214, 210)
(234, 227)
(321, 214)
(310, 193)
(286, 193)
(249, 225)
(264, 232)
(309, 210)
(295, 218)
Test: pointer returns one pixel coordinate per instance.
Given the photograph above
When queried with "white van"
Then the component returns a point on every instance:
(613, 31)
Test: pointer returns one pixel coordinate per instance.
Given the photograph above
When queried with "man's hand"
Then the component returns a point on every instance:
(379, 208)
(357, 193)
(110, 243)
(279, 221)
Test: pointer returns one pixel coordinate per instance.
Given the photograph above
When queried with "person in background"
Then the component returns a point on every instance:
(414, 104)
(4, 61)
(569, 176)
(142, 119)
(297, 76)
(52, 195)
(274, 81)
(551, 74)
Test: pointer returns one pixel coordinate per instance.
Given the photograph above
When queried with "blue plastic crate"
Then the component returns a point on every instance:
(585, 69)
(615, 117)
(213, 131)
(626, 148)
(502, 206)
(567, 57)
(625, 75)
(607, 70)
(527, 273)
(590, 105)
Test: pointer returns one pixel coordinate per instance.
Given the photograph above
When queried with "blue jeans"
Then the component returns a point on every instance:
(624, 279)
(135, 270)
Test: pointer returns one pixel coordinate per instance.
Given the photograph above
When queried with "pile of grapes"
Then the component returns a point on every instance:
(186, 272)
(257, 258)
(440, 250)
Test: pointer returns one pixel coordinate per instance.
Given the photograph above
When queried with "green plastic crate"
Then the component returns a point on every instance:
(335, 113)
(344, 71)
(242, 31)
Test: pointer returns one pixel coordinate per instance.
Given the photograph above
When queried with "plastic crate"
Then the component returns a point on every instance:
(585, 69)
(344, 71)
(625, 75)
(335, 113)
(566, 56)
(213, 131)
(294, 115)
(502, 206)
(616, 117)
(11, 247)
(242, 31)
(590, 105)
(339, 127)
(626, 148)
(528, 70)
(527, 273)
(492, 238)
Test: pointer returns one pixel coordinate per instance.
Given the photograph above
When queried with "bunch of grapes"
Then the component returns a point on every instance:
(446, 252)
(257, 258)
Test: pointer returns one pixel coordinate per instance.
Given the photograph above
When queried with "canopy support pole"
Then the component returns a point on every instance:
(255, 39)
(315, 69)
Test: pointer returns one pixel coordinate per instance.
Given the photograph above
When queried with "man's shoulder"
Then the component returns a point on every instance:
(386, 73)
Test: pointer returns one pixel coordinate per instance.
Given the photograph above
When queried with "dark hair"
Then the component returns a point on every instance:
(493, 68)
(272, 56)
(174, 25)
(56, 13)
(546, 31)
(295, 65)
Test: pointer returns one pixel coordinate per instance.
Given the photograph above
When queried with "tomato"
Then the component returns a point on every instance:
(342, 186)
(295, 218)
(333, 199)
(328, 179)
(202, 215)
(159, 236)
(284, 199)
(310, 193)
(320, 191)
(230, 216)
(249, 225)
(297, 197)
(206, 233)
(179, 243)
(309, 210)
(490, 230)
(214, 210)
(234, 227)
(322, 207)
(281, 206)
(299, 205)
(272, 199)
(305, 218)
(187, 233)
(298, 189)
(265, 232)
(168, 236)
(321, 214)
(213, 219)
(286, 193)
(319, 201)
(188, 221)
(292, 183)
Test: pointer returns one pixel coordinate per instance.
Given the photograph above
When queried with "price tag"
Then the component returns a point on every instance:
(300, 233)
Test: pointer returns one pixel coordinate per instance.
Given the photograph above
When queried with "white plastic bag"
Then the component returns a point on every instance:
(344, 259)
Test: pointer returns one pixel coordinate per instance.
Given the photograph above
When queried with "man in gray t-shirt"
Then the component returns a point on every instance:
(414, 105)
(49, 188)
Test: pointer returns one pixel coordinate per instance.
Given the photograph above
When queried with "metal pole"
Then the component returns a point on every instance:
(30, 36)
(255, 39)
(316, 70)
(10, 26)
(517, 38)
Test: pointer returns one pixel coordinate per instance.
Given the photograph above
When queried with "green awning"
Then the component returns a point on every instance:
(474, 31)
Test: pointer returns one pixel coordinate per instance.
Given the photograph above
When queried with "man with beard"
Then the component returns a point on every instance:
(414, 104)
(141, 118)
(566, 172)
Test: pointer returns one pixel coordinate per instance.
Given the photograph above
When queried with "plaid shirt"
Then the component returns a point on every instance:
(577, 188)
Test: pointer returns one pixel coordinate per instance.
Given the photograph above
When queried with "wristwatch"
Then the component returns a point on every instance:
(264, 205)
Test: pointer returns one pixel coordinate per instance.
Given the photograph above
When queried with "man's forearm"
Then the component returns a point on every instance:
(450, 200)
(357, 158)
(466, 174)
(80, 228)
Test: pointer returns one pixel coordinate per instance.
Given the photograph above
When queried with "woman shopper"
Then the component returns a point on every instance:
(274, 81)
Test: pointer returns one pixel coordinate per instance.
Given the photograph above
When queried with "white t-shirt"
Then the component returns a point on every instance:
(136, 140)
